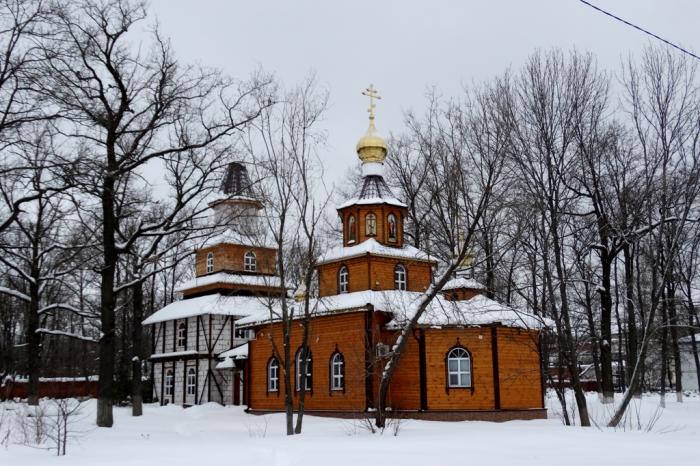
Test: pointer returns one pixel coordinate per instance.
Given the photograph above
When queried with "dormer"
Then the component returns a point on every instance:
(462, 288)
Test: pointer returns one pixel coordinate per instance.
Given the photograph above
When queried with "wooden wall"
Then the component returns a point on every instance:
(229, 258)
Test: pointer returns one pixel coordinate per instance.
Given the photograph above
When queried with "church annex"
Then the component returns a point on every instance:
(469, 358)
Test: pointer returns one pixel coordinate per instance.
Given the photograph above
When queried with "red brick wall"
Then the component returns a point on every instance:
(519, 369)
(382, 212)
(373, 273)
(344, 332)
(229, 257)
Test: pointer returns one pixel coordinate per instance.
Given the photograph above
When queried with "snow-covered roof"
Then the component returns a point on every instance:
(231, 278)
(476, 311)
(373, 190)
(373, 247)
(209, 304)
(231, 236)
(173, 354)
(372, 200)
(463, 282)
(235, 354)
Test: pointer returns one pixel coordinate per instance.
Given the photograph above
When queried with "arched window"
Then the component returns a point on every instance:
(181, 335)
(191, 380)
(371, 224)
(273, 375)
(343, 277)
(210, 262)
(352, 229)
(459, 368)
(169, 382)
(337, 371)
(400, 277)
(299, 369)
(393, 230)
(250, 263)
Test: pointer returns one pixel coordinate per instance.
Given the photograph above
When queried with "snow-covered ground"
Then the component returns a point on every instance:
(215, 435)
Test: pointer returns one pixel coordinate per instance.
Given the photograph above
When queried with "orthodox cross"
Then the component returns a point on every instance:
(371, 92)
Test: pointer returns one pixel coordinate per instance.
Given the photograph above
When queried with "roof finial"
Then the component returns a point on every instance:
(372, 93)
(371, 148)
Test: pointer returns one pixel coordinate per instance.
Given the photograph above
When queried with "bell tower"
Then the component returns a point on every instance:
(373, 255)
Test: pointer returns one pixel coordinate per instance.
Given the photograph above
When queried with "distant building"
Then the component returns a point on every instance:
(235, 273)
(689, 376)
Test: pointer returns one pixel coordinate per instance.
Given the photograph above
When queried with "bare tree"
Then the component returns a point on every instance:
(284, 144)
(123, 109)
(465, 145)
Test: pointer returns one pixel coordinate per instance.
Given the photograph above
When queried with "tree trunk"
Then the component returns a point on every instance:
(677, 365)
(33, 345)
(606, 357)
(107, 304)
(664, 351)
(631, 315)
(137, 339)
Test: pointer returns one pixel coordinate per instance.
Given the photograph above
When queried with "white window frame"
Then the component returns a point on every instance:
(191, 381)
(181, 335)
(400, 277)
(337, 372)
(169, 382)
(309, 369)
(461, 369)
(242, 333)
(210, 262)
(273, 375)
(250, 262)
(343, 279)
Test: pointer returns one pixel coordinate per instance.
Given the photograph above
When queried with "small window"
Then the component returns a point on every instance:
(181, 335)
(169, 382)
(371, 224)
(459, 368)
(210, 262)
(343, 280)
(242, 333)
(393, 231)
(191, 380)
(299, 370)
(273, 375)
(250, 263)
(352, 229)
(400, 277)
(337, 371)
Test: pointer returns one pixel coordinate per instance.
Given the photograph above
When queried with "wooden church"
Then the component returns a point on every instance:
(470, 357)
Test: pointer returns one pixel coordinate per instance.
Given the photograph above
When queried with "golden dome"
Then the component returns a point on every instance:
(371, 148)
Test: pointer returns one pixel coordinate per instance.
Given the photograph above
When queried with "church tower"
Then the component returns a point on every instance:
(373, 255)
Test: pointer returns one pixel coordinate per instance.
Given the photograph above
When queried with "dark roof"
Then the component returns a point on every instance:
(374, 186)
(236, 181)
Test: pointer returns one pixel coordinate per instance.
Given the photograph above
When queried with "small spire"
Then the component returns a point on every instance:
(371, 148)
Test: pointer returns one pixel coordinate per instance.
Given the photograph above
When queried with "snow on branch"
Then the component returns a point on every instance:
(66, 334)
(15, 293)
(66, 307)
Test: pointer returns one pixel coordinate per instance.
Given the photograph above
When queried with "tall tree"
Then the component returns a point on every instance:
(122, 110)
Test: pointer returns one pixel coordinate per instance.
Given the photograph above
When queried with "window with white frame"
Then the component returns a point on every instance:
(169, 382)
(250, 263)
(400, 277)
(343, 280)
(181, 335)
(210, 262)
(273, 375)
(459, 368)
(299, 370)
(191, 381)
(337, 371)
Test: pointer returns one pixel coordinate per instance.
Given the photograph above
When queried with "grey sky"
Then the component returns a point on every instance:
(404, 47)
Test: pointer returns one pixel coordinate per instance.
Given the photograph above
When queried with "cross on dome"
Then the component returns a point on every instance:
(372, 93)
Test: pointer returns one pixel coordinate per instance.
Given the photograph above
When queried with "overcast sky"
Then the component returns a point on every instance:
(404, 47)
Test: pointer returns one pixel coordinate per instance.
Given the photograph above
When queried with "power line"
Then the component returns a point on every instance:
(641, 29)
